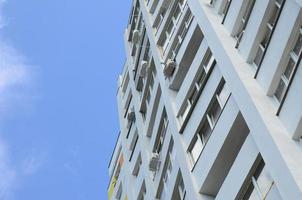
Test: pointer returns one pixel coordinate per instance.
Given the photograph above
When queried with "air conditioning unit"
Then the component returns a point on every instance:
(135, 36)
(169, 67)
(154, 162)
(144, 66)
(131, 117)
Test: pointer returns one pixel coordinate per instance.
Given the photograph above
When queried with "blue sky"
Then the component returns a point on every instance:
(59, 62)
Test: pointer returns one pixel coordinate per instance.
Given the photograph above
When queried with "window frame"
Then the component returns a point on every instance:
(225, 10)
(179, 4)
(252, 182)
(297, 59)
(199, 84)
(271, 28)
(244, 21)
(206, 119)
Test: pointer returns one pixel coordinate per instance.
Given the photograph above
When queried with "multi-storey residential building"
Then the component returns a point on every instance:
(210, 101)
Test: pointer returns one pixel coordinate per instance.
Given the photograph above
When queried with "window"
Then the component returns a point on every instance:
(199, 141)
(176, 13)
(161, 133)
(127, 104)
(160, 19)
(181, 35)
(291, 65)
(148, 96)
(201, 137)
(119, 192)
(137, 166)
(259, 184)
(244, 20)
(169, 166)
(142, 193)
(196, 89)
(208, 61)
(166, 173)
(223, 95)
(218, 103)
(133, 145)
(133, 19)
(196, 149)
(225, 9)
(169, 169)
(181, 189)
(149, 85)
(214, 113)
(147, 53)
(274, 14)
(259, 55)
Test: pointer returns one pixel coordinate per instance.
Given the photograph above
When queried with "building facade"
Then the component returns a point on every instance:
(210, 101)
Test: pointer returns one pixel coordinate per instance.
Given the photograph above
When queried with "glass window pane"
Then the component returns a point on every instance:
(196, 149)
(240, 29)
(264, 181)
(251, 193)
(266, 37)
(298, 45)
(205, 132)
(169, 28)
(225, 9)
(223, 94)
(214, 112)
(289, 68)
(194, 95)
(151, 81)
(185, 111)
(248, 10)
(280, 90)
(181, 189)
(176, 13)
(254, 195)
(169, 165)
(208, 57)
(148, 96)
(201, 78)
(274, 15)
(258, 57)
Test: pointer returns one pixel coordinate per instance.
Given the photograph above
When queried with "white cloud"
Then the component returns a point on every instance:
(12, 68)
(14, 78)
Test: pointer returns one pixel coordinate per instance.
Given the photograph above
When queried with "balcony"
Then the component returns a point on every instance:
(139, 185)
(221, 150)
(185, 56)
(152, 5)
(133, 19)
(239, 171)
(167, 25)
(152, 107)
(167, 153)
(143, 67)
(192, 73)
(159, 15)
